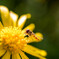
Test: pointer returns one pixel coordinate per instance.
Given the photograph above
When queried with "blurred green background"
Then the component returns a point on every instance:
(45, 15)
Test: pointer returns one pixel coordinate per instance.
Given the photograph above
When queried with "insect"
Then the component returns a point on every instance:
(30, 33)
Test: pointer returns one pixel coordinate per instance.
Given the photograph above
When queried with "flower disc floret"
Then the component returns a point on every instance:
(12, 39)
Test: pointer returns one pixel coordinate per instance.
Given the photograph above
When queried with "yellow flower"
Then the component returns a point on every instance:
(12, 36)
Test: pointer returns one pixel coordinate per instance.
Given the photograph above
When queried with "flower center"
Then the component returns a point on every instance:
(12, 39)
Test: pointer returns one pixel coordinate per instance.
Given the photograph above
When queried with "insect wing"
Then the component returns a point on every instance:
(36, 37)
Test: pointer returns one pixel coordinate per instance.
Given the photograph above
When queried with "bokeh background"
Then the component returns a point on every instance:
(45, 15)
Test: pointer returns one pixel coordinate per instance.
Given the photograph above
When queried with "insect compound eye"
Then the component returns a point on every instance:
(27, 30)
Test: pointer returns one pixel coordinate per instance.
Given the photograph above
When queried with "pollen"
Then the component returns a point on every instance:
(12, 39)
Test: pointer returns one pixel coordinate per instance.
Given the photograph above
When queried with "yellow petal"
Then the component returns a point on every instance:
(13, 17)
(34, 51)
(2, 51)
(22, 20)
(1, 26)
(7, 55)
(15, 56)
(23, 55)
(30, 27)
(43, 58)
(5, 15)
(31, 39)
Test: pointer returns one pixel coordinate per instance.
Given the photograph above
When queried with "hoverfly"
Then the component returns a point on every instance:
(30, 33)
